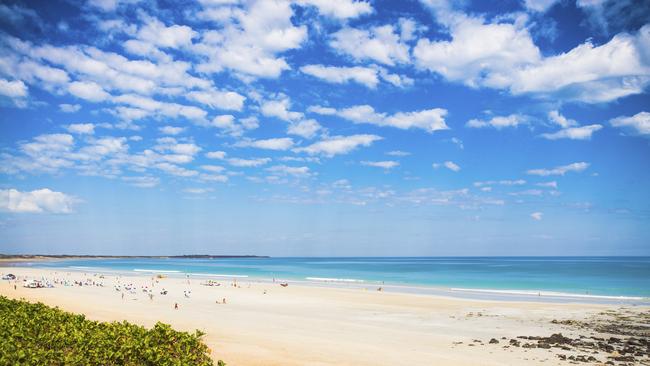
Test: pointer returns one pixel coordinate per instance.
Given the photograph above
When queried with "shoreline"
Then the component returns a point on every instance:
(487, 294)
(265, 324)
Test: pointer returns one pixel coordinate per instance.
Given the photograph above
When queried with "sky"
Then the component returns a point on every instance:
(325, 128)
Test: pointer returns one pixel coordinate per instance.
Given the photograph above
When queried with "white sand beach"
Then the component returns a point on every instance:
(267, 324)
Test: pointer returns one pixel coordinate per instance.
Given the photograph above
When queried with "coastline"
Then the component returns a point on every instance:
(266, 324)
(486, 294)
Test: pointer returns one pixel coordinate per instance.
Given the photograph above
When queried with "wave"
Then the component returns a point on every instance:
(547, 293)
(155, 270)
(218, 275)
(325, 279)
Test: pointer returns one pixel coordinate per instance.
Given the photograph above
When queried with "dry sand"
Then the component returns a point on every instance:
(308, 325)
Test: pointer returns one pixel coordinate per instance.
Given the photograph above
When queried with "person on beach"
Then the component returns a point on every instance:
(223, 301)
(176, 306)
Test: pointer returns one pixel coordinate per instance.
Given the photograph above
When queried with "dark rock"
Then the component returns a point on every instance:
(494, 341)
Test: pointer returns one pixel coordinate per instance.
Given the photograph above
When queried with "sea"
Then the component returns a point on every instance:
(605, 278)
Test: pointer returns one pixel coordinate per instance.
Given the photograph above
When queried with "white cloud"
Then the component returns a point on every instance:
(560, 170)
(337, 145)
(497, 122)
(387, 164)
(13, 89)
(175, 36)
(560, 120)
(505, 182)
(144, 106)
(429, 120)
(171, 130)
(248, 163)
(305, 128)
(284, 143)
(250, 40)
(280, 109)
(503, 55)
(197, 190)
(218, 99)
(551, 184)
(295, 171)
(234, 127)
(573, 133)
(340, 9)
(380, 44)
(213, 168)
(590, 73)
(81, 128)
(451, 166)
(216, 155)
(478, 54)
(639, 123)
(398, 153)
(88, 90)
(536, 216)
(539, 5)
(37, 201)
(69, 108)
(340, 75)
(142, 182)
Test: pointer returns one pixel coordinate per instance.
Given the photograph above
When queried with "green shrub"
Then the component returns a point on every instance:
(36, 334)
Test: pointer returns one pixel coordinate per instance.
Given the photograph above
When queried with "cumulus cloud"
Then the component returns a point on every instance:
(560, 120)
(398, 153)
(171, 130)
(81, 128)
(339, 9)
(280, 108)
(340, 75)
(296, 171)
(539, 5)
(429, 120)
(88, 90)
(69, 108)
(37, 201)
(248, 163)
(560, 170)
(250, 39)
(13, 89)
(638, 124)
(573, 133)
(387, 164)
(218, 99)
(216, 155)
(447, 164)
(305, 128)
(537, 216)
(379, 44)
(497, 122)
(338, 145)
(502, 55)
(280, 144)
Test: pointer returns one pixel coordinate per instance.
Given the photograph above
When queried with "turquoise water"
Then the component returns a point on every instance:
(609, 276)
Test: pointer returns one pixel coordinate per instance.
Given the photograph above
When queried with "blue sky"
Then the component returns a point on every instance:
(328, 128)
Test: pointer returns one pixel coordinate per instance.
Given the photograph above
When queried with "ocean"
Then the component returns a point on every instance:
(581, 276)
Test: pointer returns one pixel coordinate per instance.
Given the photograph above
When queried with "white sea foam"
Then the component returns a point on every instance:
(324, 279)
(154, 271)
(546, 293)
(218, 275)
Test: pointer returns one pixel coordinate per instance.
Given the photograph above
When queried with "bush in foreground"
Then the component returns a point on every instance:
(36, 334)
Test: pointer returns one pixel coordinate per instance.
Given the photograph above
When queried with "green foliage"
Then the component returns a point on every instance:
(35, 334)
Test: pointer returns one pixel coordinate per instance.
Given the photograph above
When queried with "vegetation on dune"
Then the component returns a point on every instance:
(36, 334)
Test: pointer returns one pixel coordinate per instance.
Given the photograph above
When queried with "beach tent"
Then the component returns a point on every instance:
(9, 277)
